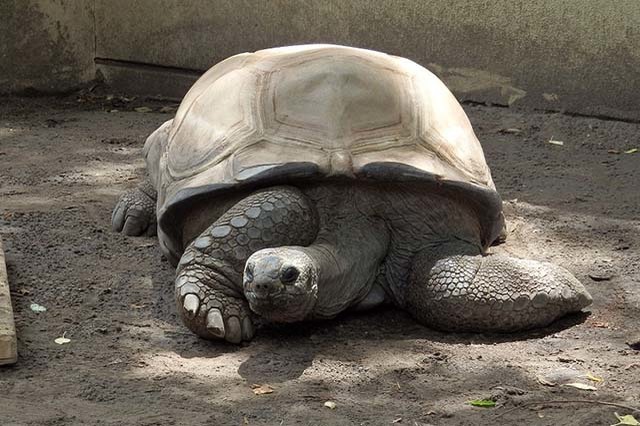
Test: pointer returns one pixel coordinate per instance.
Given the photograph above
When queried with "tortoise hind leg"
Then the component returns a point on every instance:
(135, 213)
(454, 288)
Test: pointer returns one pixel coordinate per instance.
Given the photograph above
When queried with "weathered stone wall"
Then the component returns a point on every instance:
(581, 56)
(46, 45)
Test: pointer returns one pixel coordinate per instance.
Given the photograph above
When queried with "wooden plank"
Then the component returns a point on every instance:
(8, 343)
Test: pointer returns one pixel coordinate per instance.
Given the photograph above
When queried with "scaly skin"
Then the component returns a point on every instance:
(135, 213)
(353, 247)
(454, 288)
(209, 289)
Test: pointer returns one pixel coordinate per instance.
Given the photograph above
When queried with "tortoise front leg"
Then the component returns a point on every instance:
(452, 287)
(209, 289)
(135, 213)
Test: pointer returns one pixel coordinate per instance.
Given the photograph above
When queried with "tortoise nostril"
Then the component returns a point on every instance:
(262, 288)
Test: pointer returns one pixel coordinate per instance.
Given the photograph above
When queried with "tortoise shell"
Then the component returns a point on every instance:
(316, 112)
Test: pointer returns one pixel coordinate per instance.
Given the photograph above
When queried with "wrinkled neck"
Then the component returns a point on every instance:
(347, 257)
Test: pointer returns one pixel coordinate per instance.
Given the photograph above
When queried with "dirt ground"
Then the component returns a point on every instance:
(63, 164)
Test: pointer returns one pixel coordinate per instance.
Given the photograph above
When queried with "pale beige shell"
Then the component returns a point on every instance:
(315, 111)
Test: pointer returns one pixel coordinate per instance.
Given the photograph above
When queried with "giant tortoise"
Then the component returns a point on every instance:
(299, 182)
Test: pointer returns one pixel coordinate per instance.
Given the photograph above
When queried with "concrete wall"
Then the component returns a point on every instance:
(578, 55)
(46, 45)
(581, 56)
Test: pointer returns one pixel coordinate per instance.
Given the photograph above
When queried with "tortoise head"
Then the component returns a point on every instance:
(281, 284)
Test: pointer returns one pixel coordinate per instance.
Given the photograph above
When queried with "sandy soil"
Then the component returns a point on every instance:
(63, 164)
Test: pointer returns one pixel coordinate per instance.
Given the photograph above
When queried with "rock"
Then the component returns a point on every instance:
(634, 342)
(602, 270)
(600, 276)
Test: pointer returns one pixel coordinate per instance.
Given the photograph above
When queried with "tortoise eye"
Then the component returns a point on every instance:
(289, 275)
(248, 273)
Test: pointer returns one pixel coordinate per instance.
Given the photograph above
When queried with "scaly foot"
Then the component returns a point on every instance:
(462, 292)
(135, 213)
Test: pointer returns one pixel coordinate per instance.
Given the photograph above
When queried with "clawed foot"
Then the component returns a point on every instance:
(209, 285)
(210, 313)
(491, 294)
(135, 213)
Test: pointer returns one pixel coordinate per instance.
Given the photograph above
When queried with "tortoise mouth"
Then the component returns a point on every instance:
(282, 306)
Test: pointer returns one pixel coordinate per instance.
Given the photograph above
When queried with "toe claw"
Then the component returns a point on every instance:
(117, 218)
(151, 230)
(215, 324)
(133, 226)
(191, 304)
(247, 329)
(234, 330)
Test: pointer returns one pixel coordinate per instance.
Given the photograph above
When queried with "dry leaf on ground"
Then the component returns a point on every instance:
(37, 308)
(510, 130)
(594, 378)
(627, 420)
(581, 386)
(261, 389)
(62, 340)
